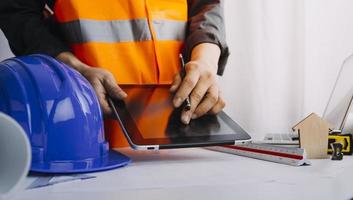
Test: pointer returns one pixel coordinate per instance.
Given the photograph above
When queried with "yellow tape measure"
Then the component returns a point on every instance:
(345, 139)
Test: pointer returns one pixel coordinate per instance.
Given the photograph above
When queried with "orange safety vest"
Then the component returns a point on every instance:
(137, 40)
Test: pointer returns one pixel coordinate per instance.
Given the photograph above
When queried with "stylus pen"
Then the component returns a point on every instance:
(183, 73)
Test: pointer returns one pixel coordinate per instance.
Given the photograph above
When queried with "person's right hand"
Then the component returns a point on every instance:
(102, 81)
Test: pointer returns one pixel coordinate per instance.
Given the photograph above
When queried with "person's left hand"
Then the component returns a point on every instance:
(199, 83)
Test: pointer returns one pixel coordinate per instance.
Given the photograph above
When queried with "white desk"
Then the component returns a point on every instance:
(203, 174)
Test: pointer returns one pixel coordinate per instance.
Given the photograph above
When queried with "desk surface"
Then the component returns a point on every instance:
(203, 174)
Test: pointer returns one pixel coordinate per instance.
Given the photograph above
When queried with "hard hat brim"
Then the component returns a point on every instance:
(113, 160)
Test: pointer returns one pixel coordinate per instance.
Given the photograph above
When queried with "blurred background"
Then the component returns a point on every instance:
(285, 57)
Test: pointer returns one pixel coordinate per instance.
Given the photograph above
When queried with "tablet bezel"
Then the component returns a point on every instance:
(136, 140)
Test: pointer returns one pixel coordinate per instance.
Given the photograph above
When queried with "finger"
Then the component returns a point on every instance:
(198, 93)
(101, 95)
(195, 98)
(187, 85)
(176, 83)
(112, 88)
(218, 107)
(209, 101)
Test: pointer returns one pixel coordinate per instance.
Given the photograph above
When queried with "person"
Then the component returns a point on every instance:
(114, 42)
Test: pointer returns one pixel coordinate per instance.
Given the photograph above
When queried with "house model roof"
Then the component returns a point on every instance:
(312, 116)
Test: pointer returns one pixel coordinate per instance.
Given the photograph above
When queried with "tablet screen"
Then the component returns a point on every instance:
(154, 115)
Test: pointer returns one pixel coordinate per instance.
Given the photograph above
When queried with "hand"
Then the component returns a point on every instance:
(104, 84)
(102, 81)
(199, 83)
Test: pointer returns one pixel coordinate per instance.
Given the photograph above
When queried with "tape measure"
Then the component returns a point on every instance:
(345, 139)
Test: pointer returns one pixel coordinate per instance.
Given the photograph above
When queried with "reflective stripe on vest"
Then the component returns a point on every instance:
(138, 41)
(135, 30)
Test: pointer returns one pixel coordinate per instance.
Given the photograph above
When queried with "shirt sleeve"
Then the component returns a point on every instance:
(206, 25)
(26, 29)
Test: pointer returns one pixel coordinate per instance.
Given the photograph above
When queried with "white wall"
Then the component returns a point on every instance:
(285, 56)
(267, 41)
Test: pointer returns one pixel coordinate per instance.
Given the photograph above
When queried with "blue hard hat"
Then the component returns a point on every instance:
(60, 113)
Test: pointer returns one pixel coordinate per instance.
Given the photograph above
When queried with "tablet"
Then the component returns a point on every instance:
(150, 122)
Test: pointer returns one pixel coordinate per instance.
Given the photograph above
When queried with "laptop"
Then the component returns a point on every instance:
(338, 109)
(150, 122)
